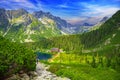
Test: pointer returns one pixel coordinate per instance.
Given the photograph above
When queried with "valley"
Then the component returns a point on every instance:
(86, 56)
(92, 54)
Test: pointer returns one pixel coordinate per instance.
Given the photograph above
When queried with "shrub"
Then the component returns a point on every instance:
(14, 57)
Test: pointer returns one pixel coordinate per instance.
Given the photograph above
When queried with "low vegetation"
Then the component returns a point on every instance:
(15, 57)
(87, 66)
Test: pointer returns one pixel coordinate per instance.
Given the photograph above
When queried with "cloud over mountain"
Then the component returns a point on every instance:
(71, 10)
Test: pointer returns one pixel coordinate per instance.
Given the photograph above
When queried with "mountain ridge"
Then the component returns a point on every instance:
(19, 25)
(22, 26)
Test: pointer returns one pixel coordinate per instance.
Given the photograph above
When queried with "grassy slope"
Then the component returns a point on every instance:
(84, 72)
(76, 68)
(33, 31)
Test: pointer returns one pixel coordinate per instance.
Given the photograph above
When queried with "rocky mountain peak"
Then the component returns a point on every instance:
(2, 10)
(3, 19)
(40, 14)
(61, 24)
(16, 13)
(104, 19)
(27, 19)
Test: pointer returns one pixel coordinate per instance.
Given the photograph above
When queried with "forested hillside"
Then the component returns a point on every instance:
(95, 37)
(68, 43)
(108, 33)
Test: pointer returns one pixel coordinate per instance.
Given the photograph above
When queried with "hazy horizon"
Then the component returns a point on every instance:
(74, 11)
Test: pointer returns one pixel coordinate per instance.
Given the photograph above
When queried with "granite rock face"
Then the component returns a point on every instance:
(4, 22)
(16, 13)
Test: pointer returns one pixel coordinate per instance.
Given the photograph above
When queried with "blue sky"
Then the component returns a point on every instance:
(71, 10)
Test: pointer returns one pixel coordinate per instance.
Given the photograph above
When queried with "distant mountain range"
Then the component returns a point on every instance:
(22, 26)
(96, 26)
(107, 33)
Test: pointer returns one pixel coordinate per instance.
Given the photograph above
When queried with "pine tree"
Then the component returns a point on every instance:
(93, 64)
(108, 64)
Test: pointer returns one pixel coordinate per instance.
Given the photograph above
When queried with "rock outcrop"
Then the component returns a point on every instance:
(41, 73)
(4, 22)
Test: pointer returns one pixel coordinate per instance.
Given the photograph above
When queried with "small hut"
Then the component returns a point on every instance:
(57, 50)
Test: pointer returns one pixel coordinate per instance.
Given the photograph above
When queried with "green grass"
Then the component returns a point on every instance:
(76, 68)
(84, 72)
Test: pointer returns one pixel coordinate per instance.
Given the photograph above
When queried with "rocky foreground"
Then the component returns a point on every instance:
(40, 74)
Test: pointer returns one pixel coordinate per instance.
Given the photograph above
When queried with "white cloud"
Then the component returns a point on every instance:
(100, 11)
(81, 20)
(15, 4)
(76, 19)
(39, 5)
(63, 6)
(94, 11)
(25, 3)
(20, 0)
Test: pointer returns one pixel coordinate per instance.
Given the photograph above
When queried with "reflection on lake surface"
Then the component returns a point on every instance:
(43, 56)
